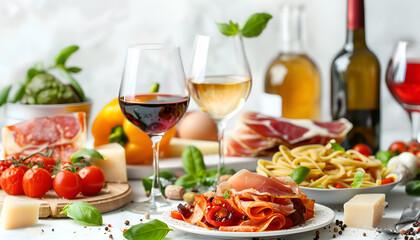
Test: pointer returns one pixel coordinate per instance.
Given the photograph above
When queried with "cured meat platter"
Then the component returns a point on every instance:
(111, 197)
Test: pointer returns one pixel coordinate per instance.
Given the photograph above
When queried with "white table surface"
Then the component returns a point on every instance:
(57, 229)
(68, 229)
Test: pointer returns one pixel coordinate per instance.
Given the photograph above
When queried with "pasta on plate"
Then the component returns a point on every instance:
(328, 168)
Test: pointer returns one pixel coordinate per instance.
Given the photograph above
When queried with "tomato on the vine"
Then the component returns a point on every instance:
(11, 181)
(413, 146)
(67, 184)
(363, 149)
(398, 147)
(4, 164)
(93, 180)
(36, 182)
(45, 162)
(23, 167)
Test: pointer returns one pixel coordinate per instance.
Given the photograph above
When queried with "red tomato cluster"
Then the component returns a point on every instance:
(363, 149)
(17, 179)
(398, 147)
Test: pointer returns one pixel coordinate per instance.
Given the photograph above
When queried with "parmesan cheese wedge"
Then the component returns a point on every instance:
(364, 210)
(18, 212)
(113, 166)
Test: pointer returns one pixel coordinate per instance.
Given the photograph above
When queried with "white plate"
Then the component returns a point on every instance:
(175, 165)
(340, 196)
(323, 217)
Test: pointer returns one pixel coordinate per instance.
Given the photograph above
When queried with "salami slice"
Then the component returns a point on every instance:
(65, 134)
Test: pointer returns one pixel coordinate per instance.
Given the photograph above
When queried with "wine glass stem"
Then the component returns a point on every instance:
(414, 122)
(156, 194)
(221, 126)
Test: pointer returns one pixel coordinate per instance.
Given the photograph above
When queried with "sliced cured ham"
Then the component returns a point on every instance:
(244, 180)
(65, 134)
(257, 134)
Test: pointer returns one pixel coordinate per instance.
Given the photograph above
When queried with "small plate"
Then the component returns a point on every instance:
(340, 196)
(323, 217)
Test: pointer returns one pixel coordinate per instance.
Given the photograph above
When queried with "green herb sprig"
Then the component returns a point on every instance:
(252, 27)
(358, 179)
(300, 174)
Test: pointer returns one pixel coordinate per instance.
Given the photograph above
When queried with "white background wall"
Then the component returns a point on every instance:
(35, 30)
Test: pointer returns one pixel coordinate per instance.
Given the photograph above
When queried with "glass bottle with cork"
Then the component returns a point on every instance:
(293, 75)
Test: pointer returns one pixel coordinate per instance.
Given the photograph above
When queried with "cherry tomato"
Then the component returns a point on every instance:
(11, 181)
(176, 215)
(397, 147)
(363, 149)
(93, 180)
(23, 167)
(339, 185)
(4, 164)
(36, 182)
(47, 163)
(413, 146)
(67, 184)
(220, 215)
(387, 181)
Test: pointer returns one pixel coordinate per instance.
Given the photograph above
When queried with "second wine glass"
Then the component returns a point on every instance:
(403, 80)
(220, 81)
(153, 96)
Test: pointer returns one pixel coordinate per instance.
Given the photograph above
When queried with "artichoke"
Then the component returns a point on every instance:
(44, 88)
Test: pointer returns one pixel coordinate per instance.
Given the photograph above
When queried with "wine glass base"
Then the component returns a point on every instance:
(149, 207)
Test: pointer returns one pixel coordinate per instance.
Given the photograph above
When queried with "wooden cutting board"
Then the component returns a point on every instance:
(111, 197)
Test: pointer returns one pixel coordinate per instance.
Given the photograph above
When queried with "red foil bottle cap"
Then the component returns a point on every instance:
(355, 14)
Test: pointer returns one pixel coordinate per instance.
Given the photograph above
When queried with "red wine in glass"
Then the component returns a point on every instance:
(407, 92)
(154, 113)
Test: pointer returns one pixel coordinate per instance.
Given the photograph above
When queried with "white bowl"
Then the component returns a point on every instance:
(340, 196)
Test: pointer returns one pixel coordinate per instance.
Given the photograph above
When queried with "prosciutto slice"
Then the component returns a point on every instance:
(65, 134)
(257, 134)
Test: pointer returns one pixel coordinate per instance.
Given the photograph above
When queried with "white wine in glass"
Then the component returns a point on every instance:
(220, 81)
(153, 96)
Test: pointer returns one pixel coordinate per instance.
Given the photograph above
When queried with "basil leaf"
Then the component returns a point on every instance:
(147, 183)
(358, 179)
(74, 69)
(337, 147)
(192, 160)
(255, 24)
(413, 188)
(85, 154)
(187, 181)
(83, 213)
(384, 156)
(300, 174)
(226, 194)
(152, 230)
(64, 54)
(4, 93)
(230, 29)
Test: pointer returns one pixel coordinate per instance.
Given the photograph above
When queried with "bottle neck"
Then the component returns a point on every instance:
(291, 29)
(355, 24)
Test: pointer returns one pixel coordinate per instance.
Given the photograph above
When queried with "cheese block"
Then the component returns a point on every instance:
(18, 212)
(113, 166)
(364, 210)
(178, 144)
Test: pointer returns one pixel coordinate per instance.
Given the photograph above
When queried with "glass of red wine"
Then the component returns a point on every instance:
(153, 96)
(403, 80)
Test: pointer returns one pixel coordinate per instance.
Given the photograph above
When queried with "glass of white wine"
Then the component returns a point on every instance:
(219, 81)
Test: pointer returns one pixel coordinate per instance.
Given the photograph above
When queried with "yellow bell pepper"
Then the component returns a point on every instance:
(110, 124)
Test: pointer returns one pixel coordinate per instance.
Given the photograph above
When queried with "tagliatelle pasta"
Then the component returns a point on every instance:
(328, 168)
